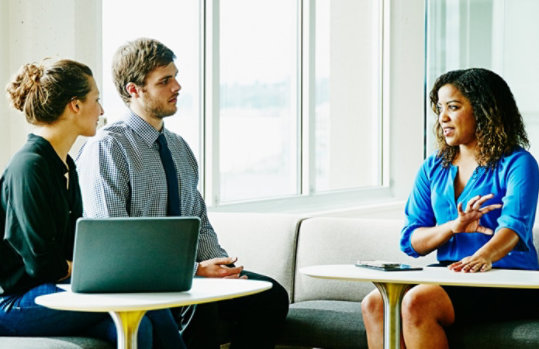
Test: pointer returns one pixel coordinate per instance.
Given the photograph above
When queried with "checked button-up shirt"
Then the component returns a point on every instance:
(121, 174)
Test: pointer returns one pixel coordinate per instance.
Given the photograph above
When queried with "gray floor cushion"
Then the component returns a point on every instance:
(338, 325)
(521, 334)
(325, 324)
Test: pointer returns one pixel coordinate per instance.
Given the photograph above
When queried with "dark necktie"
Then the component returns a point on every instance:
(173, 204)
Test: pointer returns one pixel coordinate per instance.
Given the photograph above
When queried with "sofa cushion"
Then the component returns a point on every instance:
(324, 240)
(263, 243)
(325, 324)
(521, 334)
(54, 343)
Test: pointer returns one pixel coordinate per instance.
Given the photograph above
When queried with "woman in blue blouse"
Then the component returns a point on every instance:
(474, 203)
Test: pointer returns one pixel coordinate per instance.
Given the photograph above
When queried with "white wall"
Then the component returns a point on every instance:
(4, 77)
(33, 30)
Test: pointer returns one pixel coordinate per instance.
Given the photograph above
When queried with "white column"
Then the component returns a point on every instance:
(33, 30)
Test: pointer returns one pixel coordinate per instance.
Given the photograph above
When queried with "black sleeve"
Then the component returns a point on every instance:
(32, 218)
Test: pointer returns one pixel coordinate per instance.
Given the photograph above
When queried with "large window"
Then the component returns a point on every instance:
(280, 98)
(495, 34)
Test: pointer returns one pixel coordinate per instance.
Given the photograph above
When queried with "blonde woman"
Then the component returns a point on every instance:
(40, 203)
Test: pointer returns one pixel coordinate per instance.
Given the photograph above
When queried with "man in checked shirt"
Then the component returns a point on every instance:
(121, 174)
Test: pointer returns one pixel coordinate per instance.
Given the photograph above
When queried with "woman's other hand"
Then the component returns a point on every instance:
(468, 221)
(472, 264)
(495, 249)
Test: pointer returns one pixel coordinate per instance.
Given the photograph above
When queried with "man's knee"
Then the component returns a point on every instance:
(281, 299)
(276, 299)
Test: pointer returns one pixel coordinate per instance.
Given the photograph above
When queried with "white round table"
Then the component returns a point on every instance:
(393, 285)
(127, 309)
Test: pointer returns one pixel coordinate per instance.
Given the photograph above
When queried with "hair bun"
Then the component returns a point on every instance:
(27, 80)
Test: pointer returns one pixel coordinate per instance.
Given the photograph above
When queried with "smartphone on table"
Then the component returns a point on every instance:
(386, 266)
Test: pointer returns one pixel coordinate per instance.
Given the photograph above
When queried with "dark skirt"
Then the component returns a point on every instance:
(491, 303)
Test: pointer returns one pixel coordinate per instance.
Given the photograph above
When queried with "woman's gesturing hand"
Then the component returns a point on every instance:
(468, 220)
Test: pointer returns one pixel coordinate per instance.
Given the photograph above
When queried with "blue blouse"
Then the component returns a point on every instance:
(514, 183)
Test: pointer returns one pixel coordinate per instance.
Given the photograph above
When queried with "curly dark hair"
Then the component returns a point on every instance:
(499, 125)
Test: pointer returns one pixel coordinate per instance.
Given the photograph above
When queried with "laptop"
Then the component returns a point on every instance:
(134, 254)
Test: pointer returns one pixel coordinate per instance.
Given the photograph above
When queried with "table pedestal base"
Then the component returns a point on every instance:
(392, 295)
(127, 323)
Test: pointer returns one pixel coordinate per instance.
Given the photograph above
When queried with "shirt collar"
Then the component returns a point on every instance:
(47, 148)
(143, 129)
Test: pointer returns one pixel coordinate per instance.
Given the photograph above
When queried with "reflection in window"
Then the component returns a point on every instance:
(347, 98)
(258, 95)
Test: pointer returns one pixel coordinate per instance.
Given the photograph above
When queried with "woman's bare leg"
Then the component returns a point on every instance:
(426, 310)
(372, 308)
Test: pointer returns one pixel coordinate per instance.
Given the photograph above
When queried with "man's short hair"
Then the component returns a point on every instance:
(133, 61)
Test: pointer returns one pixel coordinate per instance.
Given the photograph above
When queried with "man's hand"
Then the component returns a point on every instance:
(468, 220)
(220, 268)
(69, 269)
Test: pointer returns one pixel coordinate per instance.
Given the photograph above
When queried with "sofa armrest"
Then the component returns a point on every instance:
(263, 243)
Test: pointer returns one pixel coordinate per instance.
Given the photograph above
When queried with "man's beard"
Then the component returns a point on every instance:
(160, 112)
(158, 109)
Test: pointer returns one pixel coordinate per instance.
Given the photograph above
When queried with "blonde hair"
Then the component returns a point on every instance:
(42, 91)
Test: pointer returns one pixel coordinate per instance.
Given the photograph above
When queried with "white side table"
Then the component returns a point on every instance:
(127, 309)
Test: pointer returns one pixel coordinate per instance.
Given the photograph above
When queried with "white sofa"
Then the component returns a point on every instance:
(323, 313)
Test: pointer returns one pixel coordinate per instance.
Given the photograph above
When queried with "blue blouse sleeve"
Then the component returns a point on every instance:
(418, 209)
(520, 201)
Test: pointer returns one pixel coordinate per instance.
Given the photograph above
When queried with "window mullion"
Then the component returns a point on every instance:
(307, 95)
(384, 91)
(211, 101)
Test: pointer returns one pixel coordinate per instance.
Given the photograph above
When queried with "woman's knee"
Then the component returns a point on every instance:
(427, 303)
(372, 306)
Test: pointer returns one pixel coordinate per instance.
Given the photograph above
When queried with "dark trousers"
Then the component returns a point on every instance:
(247, 322)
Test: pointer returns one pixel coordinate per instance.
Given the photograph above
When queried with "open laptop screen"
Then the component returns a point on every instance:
(134, 254)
